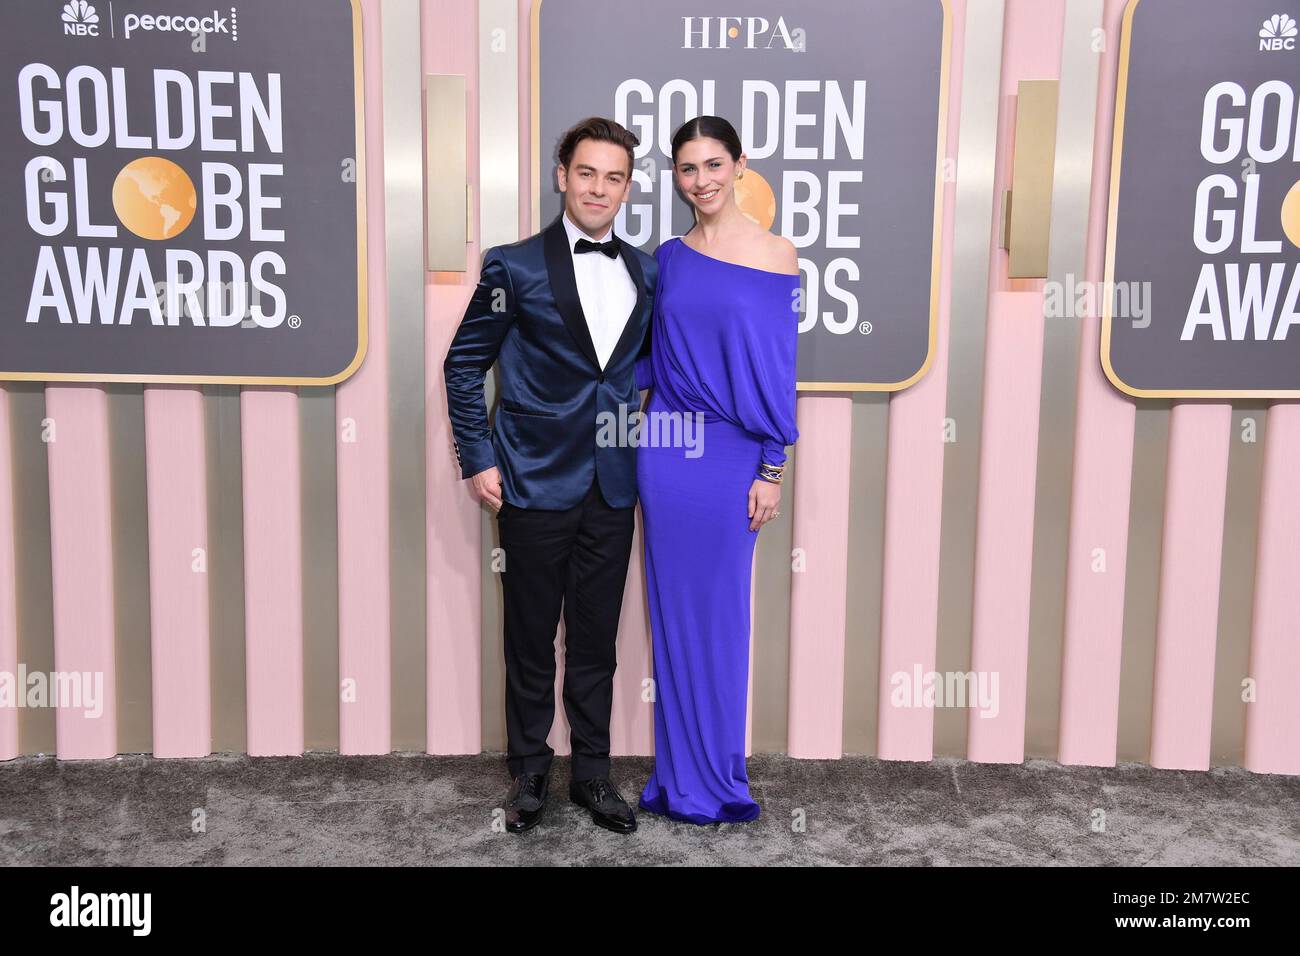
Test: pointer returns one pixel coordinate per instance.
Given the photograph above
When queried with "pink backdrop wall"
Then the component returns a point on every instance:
(1091, 635)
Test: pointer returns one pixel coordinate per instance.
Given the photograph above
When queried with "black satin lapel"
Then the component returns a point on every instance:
(559, 269)
(632, 329)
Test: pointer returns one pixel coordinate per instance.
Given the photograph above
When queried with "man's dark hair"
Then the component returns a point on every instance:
(602, 129)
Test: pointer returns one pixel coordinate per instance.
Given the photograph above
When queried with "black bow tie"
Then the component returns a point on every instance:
(610, 246)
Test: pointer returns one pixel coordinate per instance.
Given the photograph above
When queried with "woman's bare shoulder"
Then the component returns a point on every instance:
(777, 254)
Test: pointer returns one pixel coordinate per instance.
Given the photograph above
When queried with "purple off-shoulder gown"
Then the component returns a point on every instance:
(723, 345)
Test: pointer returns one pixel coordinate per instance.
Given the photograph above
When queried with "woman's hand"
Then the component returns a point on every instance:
(764, 499)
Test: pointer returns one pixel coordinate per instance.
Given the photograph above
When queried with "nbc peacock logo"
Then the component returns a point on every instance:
(1278, 33)
(80, 19)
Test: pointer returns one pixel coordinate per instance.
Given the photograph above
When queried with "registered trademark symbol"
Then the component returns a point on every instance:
(865, 328)
(294, 321)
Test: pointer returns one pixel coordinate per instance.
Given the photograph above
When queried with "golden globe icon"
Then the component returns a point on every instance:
(154, 198)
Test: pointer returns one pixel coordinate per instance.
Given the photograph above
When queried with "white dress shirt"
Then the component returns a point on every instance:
(605, 289)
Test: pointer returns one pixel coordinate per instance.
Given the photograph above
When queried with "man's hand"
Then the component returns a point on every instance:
(487, 485)
(764, 499)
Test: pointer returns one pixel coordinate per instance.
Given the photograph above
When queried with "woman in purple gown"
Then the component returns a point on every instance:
(721, 368)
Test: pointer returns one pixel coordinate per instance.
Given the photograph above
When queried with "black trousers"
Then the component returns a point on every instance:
(576, 558)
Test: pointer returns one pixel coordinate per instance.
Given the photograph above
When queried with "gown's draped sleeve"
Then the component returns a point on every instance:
(725, 338)
(763, 380)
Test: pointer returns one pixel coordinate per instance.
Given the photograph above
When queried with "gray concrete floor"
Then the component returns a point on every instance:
(414, 809)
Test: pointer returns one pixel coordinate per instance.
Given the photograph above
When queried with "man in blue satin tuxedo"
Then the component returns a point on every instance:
(566, 313)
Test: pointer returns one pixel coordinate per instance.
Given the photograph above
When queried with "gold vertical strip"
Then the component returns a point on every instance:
(770, 625)
(446, 202)
(866, 567)
(320, 567)
(130, 522)
(404, 252)
(1237, 581)
(973, 212)
(226, 568)
(1142, 580)
(1071, 201)
(492, 668)
(1032, 170)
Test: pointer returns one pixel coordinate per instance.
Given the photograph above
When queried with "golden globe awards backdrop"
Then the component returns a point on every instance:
(841, 108)
(1202, 270)
(183, 195)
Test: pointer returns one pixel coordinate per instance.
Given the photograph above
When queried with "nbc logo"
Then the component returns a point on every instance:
(1278, 33)
(80, 19)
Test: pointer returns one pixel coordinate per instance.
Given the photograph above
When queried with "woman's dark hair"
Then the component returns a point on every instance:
(602, 129)
(707, 127)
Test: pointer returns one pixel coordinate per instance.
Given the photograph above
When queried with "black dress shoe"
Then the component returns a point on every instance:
(607, 806)
(526, 800)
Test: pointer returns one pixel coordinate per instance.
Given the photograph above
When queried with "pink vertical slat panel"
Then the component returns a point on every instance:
(632, 719)
(558, 738)
(176, 472)
(1013, 365)
(1273, 719)
(1099, 488)
(272, 570)
(449, 44)
(909, 611)
(8, 583)
(1191, 552)
(361, 413)
(818, 593)
(1004, 539)
(81, 555)
(454, 564)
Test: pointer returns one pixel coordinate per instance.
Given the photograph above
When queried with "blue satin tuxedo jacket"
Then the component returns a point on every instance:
(526, 314)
